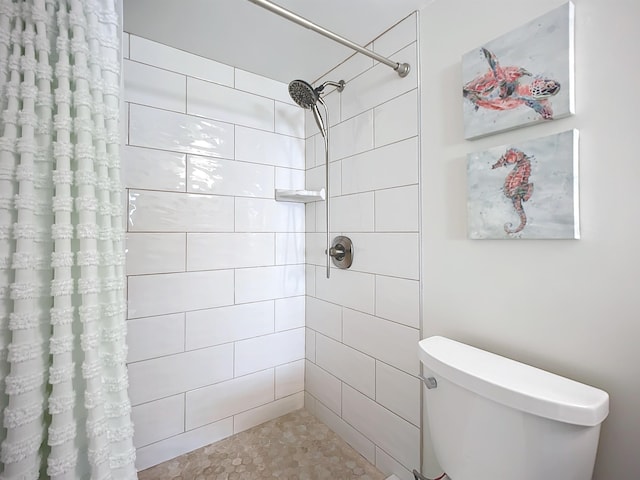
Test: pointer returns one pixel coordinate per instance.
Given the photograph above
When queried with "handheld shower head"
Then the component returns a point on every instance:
(303, 94)
(308, 97)
(318, 118)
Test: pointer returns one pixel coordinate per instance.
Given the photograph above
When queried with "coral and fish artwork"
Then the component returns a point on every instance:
(528, 190)
(522, 77)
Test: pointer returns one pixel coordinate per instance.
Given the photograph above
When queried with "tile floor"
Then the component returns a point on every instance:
(294, 446)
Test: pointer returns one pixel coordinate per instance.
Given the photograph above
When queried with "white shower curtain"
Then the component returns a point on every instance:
(63, 379)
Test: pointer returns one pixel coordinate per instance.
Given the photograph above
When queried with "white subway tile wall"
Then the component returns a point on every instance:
(289, 313)
(154, 169)
(155, 421)
(215, 402)
(229, 177)
(334, 356)
(390, 381)
(185, 442)
(217, 326)
(165, 130)
(256, 416)
(155, 253)
(289, 378)
(361, 375)
(387, 430)
(216, 274)
(356, 439)
(400, 36)
(206, 99)
(174, 60)
(168, 336)
(289, 179)
(232, 321)
(148, 85)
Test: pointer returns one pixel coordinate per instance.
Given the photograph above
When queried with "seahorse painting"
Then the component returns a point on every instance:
(502, 200)
(516, 186)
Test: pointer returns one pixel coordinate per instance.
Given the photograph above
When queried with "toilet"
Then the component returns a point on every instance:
(492, 418)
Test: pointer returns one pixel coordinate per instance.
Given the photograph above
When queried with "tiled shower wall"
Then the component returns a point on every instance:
(216, 274)
(362, 325)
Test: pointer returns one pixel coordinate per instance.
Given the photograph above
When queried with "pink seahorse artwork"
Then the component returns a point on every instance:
(517, 187)
(525, 191)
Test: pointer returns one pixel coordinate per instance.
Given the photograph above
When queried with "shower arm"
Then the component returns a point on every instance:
(326, 186)
(401, 68)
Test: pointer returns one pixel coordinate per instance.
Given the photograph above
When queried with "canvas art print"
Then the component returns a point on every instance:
(520, 78)
(528, 190)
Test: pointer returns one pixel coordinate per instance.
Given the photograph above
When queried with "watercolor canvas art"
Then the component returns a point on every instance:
(527, 190)
(522, 77)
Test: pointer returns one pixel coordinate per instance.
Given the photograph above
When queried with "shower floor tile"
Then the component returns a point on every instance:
(294, 446)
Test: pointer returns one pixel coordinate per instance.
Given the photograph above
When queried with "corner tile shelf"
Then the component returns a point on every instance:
(299, 196)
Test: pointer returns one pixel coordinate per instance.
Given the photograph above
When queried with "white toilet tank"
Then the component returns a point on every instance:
(492, 418)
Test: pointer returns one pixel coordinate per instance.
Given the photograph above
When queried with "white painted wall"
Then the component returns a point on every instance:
(215, 265)
(570, 307)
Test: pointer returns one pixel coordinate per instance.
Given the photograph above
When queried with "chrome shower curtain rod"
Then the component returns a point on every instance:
(401, 68)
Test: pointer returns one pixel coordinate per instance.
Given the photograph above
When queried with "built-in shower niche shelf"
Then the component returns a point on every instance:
(299, 196)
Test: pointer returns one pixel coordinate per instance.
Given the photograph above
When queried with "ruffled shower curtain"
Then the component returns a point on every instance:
(63, 379)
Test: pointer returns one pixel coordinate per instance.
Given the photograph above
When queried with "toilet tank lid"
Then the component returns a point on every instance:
(514, 384)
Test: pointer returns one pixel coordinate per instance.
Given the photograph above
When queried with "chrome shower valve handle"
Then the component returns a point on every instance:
(338, 252)
(341, 252)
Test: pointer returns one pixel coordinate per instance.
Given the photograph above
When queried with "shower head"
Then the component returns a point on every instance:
(308, 97)
(303, 94)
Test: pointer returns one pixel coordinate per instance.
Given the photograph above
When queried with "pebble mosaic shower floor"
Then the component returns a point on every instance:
(295, 446)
